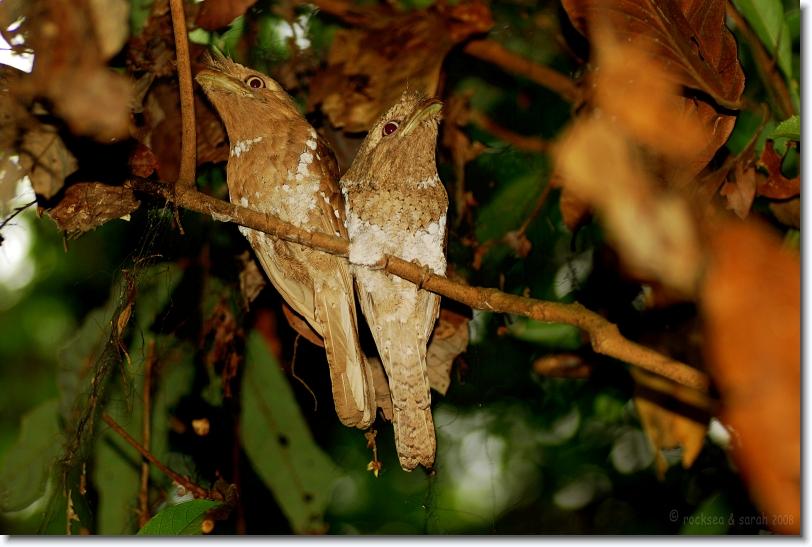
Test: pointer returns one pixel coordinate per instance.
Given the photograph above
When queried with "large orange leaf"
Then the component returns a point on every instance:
(751, 302)
(684, 59)
(689, 36)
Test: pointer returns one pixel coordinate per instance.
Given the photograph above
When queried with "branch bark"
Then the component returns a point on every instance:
(146, 435)
(604, 336)
(497, 54)
(188, 151)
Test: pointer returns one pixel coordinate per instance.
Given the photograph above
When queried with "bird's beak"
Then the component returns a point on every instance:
(211, 79)
(426, 109)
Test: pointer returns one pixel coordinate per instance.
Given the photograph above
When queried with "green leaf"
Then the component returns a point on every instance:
(767, 19)
(712, 517)
(552, 335)
(521, 180)
(139, 13)
(179, 520)
(789, 129)
(155, 286)
(116, 472)
(27, 465)
(279, 444)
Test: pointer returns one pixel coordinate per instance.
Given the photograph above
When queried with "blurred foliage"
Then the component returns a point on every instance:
(518, 453)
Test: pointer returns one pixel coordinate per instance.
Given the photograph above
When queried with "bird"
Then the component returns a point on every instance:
(279, 165)
(396, 205)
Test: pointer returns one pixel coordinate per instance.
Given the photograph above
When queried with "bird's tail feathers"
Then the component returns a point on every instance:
(351, 379)
(405, 365)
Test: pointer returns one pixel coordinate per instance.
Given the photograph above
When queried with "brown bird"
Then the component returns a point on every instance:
(397, 205)
(280, 166)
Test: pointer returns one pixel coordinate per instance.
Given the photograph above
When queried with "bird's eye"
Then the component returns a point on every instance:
(390, 128)
(255, 82)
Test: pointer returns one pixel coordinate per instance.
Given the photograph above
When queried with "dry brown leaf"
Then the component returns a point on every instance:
(162, 125)
(633, 89)
(368, 67)
(10, 174)
(666, 429)
(111, 23)
(13, 115)
(751, 302)
(518, 243)
(776, 185)
(383, 397)
(690, 36)
(87, 205)
(741, 191)
(70, 70)
(216, 14)
(212, 141)
(251, 279)
(153, 49)
(143, 162)
(652, 229)
(788, 212)
(449, 340)
(672, 416)
(657, 47)
(298, 323)
(46, 160)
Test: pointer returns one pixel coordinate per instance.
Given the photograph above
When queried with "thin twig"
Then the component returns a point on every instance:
(186, 173)
(603, 335)
(522, 142)
(765, 63)
(513, 237)
(495, 53)
(143, 494)
(536, 209)
(17, 211)
(196, 490)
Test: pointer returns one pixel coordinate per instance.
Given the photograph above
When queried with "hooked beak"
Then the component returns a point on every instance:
(427, 108)
(211, 79)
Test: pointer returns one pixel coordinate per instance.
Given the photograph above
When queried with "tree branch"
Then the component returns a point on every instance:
(495, 53)
(604, 336)
(186, 174)
(529, 143)
(146, 435)
(196, 490)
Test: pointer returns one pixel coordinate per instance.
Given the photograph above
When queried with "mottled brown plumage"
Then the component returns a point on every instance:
(279, 165)
(397, 205)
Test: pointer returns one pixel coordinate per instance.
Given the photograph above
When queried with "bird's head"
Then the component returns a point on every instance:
(402, 141)
(248, 101)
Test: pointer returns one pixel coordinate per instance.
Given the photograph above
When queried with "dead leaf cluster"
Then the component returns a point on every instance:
(639, 156)
(385, 53)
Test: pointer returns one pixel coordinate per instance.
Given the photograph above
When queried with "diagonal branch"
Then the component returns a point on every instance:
(495, 53)
(196, 490)
(604, 336)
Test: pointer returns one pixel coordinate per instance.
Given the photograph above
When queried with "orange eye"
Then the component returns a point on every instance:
(255, 82)
(390, 128)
